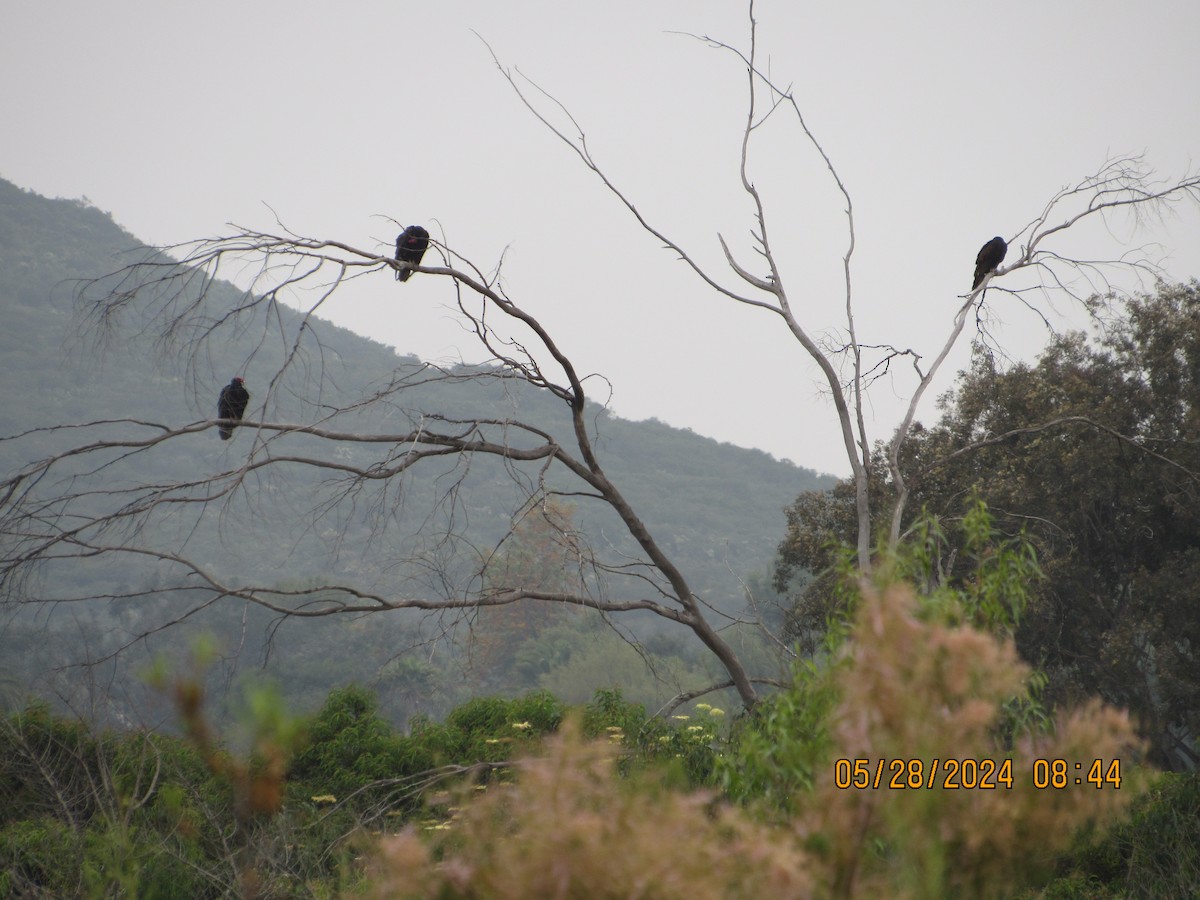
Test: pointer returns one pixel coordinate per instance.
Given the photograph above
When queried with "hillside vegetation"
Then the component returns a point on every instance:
(718, 507)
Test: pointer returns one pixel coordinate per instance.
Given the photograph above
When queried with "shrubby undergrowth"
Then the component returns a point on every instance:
(910, 757)
(909, 689)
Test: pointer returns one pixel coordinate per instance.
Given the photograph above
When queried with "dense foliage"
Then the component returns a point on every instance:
(1094, 454)
(621, 801)
(1153, 852)
(568, 827)
(88, 813)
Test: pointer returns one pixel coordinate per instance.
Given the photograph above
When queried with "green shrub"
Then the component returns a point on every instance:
(348, 744)
(773, 753)
(40, 856)
(1153, 852)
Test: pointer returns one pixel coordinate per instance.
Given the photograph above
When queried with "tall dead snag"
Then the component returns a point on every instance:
(1124, 185)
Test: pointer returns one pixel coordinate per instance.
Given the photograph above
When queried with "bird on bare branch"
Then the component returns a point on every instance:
(411, 245)
(990, 256)
(232, 404)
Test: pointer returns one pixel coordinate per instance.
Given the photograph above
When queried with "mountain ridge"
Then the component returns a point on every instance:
(716, 509)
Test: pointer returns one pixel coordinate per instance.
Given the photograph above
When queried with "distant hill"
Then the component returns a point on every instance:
(716, 508)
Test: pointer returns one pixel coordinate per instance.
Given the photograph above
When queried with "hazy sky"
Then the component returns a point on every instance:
(948, 122)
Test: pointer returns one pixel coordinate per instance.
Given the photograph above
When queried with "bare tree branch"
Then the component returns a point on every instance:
(47, 518)
(328, 459)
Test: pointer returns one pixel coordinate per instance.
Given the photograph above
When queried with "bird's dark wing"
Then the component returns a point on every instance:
(239, 400)
(403, 253)
(225, 411)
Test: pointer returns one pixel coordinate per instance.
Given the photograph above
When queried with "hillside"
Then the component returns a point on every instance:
(716, 508)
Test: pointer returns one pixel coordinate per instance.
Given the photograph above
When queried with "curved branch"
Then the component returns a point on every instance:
(905, 426)
(687, 696)
(175, 295)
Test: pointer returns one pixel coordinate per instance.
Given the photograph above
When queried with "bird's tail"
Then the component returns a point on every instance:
(225, 431)
(403, 274)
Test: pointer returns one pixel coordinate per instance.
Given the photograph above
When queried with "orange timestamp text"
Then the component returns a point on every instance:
(971, 774)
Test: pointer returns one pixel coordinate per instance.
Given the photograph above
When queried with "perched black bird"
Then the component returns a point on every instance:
(411, 245)
(232, 405)
(990, 256)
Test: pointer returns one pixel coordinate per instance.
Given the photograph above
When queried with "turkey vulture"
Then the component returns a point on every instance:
(232, 405)
(990, 256)
(411, 245)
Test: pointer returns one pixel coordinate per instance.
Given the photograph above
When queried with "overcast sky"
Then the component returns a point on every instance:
(949, 123)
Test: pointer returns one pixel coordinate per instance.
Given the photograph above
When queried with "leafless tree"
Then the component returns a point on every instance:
(58, 508)
(1122, 185)
(54, 512)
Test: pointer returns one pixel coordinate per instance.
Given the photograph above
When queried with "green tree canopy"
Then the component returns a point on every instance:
(1093, 451)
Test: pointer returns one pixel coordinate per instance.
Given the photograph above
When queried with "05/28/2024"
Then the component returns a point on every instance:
(972, 774)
